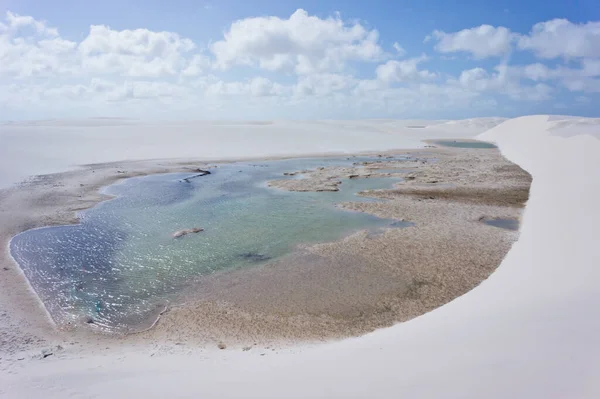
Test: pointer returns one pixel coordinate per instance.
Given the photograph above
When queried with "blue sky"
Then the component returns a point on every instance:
(298, 59)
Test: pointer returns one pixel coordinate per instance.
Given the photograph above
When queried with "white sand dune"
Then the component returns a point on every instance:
(571, 126)
(30, 148)
(529, 331)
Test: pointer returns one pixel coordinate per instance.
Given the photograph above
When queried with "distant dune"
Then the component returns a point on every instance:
(59, 145)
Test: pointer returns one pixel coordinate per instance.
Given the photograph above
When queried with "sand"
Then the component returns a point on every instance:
(52, 146)
(321, 292)
(529, 330)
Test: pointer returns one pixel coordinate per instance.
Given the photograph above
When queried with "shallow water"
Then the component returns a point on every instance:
(464, 144)
(390, 170)
(119, 267)
(507, 224)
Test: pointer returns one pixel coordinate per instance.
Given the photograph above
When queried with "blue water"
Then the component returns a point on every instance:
(465, 144)
(507, 224)
(121, 265)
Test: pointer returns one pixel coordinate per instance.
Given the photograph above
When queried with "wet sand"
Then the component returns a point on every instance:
(330, 290)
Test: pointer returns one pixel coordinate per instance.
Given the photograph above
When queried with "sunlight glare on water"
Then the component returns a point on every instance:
(118, 267)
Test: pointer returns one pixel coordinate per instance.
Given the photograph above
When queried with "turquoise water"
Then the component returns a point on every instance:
(464, 144)
(121, 264)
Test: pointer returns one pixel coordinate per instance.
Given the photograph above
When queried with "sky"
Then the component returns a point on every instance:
(184, 59)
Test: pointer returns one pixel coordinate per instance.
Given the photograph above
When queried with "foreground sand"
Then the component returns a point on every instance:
(331, 290)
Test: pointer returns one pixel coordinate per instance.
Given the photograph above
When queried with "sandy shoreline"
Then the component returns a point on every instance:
(291, 306)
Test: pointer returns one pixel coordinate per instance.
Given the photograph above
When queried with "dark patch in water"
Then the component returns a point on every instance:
(254, 257)
(507, 224)
(200, 173)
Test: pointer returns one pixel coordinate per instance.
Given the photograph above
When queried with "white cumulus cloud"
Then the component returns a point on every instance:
(503, 80)
(403, 71)
(322, 84)
(196, 66)
(562, 38)
(30, 48)
(399, 49)
(302, 43)
(583, 79)
(138, 52)
(263, 87)
(482, 41)
(15, 22)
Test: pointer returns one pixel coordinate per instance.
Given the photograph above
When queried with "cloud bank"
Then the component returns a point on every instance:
(301, 65)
